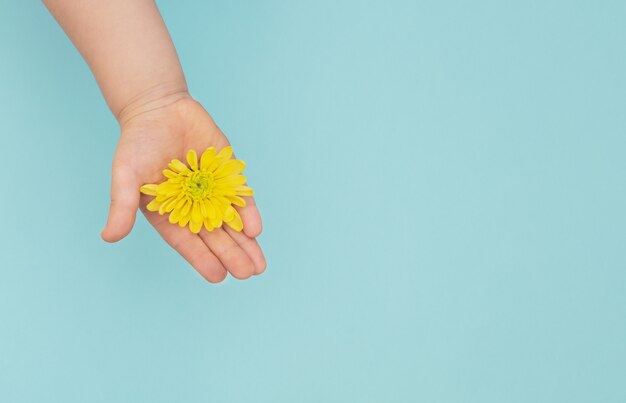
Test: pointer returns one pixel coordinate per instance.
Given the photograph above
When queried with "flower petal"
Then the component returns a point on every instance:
(208, 225)
(210, 208)
(216, 221)
(169, 174)
(216, 218)
(203, 210)
(207, 157)
(195, 212)
(168, 186)
(181, 202)
(184, 220)
(236, 200)
(186, 208)
(195, 226)
(153, 205)
(232, 180)
(175, 215)
(229, 213)
(224, 190)
(230, 167)
(226, 153)
(244, 191)
(163, 207)
(149, 189)
(235, 223)
(192, 159)
(178, 166)
(173, 203)
(214, 164)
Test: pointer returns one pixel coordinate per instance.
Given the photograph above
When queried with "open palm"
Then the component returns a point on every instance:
(147, 143)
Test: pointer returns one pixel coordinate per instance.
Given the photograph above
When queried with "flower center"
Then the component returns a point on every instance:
(199, 185)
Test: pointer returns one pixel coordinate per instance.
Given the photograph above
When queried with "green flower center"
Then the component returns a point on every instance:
(199, 185)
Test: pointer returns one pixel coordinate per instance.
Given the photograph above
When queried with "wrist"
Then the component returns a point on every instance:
(156, 97)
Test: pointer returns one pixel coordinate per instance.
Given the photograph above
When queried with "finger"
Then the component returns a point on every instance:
(251, 218)
(229, 253)
(189, 246)
(251, 247)
(124, 204)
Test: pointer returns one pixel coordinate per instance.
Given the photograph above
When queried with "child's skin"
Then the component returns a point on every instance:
(128, 48)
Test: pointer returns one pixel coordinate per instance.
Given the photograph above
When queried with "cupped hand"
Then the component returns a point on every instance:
(149, 141)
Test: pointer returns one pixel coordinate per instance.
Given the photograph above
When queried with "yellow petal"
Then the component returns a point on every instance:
(186, 208)
(203, 210)
(219, 203)
(174, 193)
(210, 209)
(169, 174)
(178, 166)
(214, 164)
(236, 200)
(226, 153)
(235, 223)
(216, 220)
(163, 207)
(181, 202)
(229, 213)
(244, 191)
(224, 191)
(232, 180)
(192, 159)
(149, 189)
(195, 226)
(173, 203)
(195, 212)
(184, 220)
(208, 225)
(168, 186)
(153, 205)
(174, 216)
(207, 157)
(221, 206)
(230, 167)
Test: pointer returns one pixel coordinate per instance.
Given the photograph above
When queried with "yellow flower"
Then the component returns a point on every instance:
(202, 194)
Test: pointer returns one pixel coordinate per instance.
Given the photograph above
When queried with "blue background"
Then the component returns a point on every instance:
(442, 184)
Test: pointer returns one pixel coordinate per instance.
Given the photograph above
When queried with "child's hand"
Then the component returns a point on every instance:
(149, 141)
(131, 54)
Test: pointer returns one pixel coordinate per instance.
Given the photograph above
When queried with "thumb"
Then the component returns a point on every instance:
(124, 205)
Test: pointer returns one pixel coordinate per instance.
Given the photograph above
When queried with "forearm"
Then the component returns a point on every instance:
(128, 48)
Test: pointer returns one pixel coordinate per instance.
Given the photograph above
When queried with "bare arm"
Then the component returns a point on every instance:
(128, 48)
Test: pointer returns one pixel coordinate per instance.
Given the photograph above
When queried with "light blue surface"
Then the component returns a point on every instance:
(443, 189)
